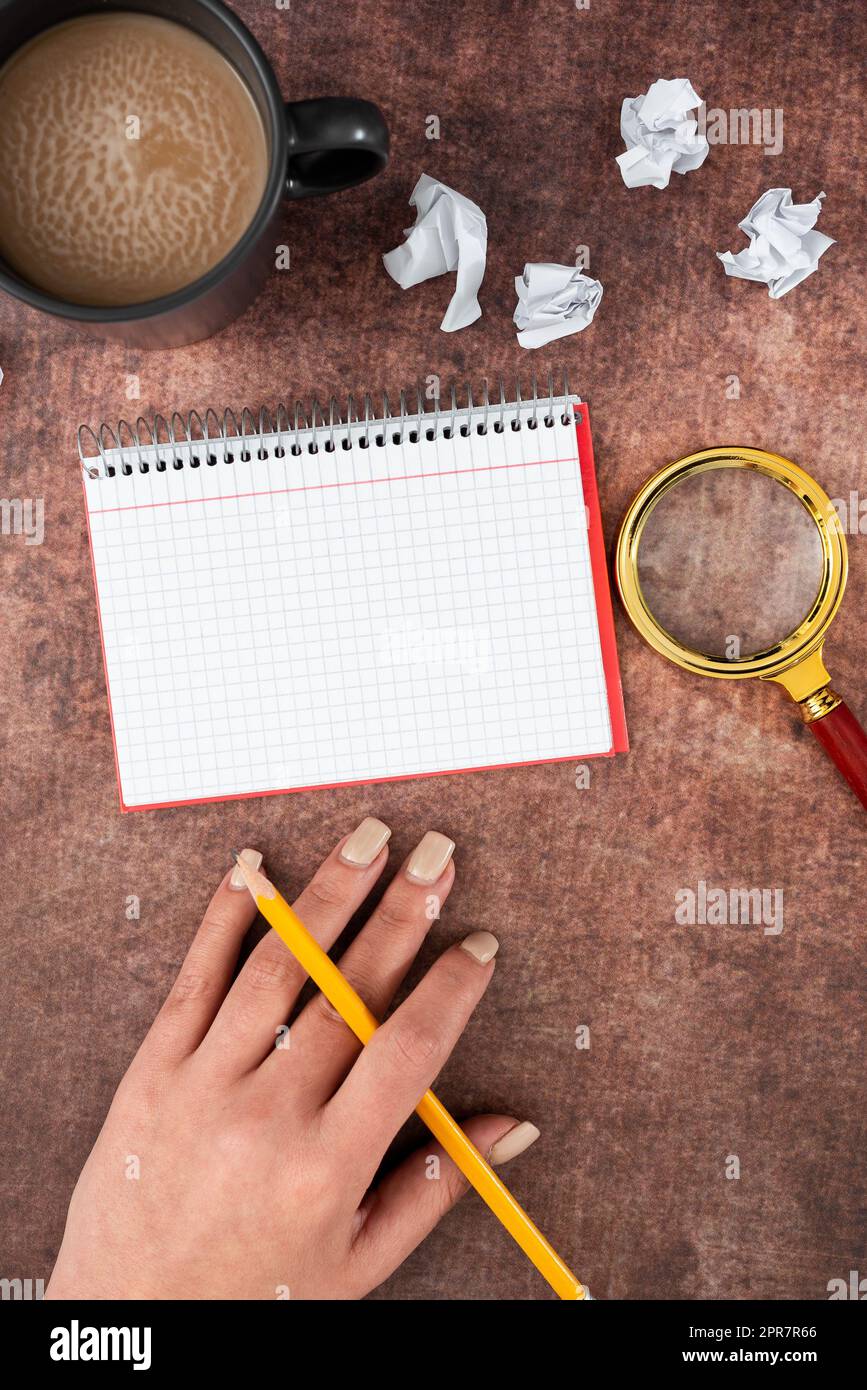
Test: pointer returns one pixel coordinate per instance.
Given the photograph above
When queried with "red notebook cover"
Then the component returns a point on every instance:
(601, 585)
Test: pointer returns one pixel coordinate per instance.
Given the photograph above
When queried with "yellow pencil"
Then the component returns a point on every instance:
(354, 1012)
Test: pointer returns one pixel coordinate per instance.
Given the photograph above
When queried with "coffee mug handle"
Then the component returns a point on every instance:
(334, 143)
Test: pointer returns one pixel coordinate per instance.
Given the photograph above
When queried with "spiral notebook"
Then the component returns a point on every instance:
(286, 605)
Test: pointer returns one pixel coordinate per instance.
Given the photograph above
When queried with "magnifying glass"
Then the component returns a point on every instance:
(732, 563)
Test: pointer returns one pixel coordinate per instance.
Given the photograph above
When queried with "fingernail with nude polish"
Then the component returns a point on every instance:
(481, 945)
(365, 843)
(430, 857)
(253, 859)
(513, 1142)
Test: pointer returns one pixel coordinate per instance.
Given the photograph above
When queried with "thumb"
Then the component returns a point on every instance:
(400, 1211)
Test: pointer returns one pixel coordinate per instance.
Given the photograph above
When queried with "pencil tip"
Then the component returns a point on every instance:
(235, 855)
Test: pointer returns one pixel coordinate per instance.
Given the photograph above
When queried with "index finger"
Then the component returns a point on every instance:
(206, 973)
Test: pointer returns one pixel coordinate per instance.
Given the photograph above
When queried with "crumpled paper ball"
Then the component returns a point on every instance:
(450, 233)
(553, 301)
(660, 136)
(783, 247)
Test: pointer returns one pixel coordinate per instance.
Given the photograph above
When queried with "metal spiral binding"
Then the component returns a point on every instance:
(193, 441)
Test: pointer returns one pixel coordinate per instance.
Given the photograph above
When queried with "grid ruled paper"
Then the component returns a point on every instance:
(344, 616)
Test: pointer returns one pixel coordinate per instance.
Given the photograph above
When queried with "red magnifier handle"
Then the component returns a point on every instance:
(845, 742)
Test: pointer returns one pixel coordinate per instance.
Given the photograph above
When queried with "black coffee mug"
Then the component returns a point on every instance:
(316, 147)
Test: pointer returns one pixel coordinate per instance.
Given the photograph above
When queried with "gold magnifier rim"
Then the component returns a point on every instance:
(807, 638)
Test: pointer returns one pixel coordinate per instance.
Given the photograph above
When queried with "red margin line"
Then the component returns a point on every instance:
(324, 487)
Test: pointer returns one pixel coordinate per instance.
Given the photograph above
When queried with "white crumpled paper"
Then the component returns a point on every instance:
(783, 247)
(659, 135)
(553, 301)
(450, 233)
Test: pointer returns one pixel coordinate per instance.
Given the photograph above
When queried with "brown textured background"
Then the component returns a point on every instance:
(706, 1041)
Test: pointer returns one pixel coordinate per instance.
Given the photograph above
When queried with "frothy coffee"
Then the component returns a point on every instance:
(132, 159)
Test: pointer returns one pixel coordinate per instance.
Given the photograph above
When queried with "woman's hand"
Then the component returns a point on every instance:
(231, 1167)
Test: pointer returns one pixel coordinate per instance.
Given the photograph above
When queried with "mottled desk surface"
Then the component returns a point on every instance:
(706, 1041)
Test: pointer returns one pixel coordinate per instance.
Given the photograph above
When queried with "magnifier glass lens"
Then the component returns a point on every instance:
(730, 562)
